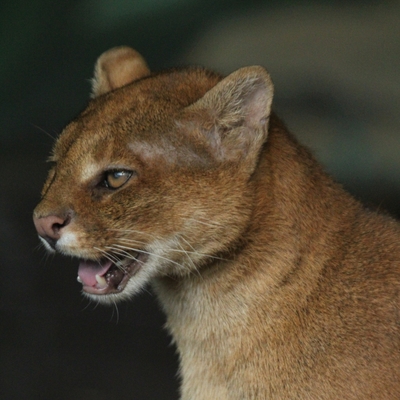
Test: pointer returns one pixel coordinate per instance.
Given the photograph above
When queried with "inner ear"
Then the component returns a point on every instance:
(257, 105)
(242, 98)
(116, 68)
(237, 110)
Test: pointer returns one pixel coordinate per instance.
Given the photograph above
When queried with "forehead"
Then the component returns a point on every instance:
(143, 110)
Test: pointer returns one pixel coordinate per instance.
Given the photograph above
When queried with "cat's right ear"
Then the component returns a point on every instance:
(116, 68)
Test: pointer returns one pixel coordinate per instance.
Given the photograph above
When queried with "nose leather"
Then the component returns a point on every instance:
(49, 227)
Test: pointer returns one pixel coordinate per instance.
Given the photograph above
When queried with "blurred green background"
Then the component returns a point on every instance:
(335, 65)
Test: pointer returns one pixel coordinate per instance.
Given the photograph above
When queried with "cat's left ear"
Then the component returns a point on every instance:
(236, 114)
(116, 68)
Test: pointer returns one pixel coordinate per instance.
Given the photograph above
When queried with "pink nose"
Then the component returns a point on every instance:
(49, 227)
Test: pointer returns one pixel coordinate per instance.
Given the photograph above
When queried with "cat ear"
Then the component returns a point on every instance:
(236, 114)
(117, 67)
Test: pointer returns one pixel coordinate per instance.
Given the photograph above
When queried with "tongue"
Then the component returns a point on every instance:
(89, 269)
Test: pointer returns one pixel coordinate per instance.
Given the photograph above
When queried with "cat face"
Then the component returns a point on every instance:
(154, 177)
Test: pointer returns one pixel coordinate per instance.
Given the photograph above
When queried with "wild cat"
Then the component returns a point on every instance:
(276, 283)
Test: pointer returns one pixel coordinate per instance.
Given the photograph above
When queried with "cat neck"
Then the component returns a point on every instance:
(297, 210)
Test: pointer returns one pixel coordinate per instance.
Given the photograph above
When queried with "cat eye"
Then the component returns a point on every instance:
(116, 178)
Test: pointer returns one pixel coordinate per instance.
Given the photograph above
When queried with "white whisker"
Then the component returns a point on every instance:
(126, 247)
(109, 256)
(123, 253)
(150, 254)
(115, 260)
(208, 223)
(182, 237)
(120, 252)
(131, 240)
(190, 259)
(116, 310)
(132, 231)
(176, 250)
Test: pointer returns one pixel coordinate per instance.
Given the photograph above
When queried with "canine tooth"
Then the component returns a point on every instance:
(79, 279)
(101, 280)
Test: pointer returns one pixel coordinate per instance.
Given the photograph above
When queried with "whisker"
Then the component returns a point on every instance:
(116, 310)
(208, 223)
(44, 131)
(109, 256)
(190, 259)
(201, 254)
(87, 305)
(182, 237)
(183, 266)
(131, 240)
(113, 259)
(123, 253)
(176, 250)
(184, 252)
(119, 252)
(132, 231)
(150, 254)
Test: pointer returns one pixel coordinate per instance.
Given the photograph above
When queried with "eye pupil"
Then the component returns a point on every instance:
(116, 179)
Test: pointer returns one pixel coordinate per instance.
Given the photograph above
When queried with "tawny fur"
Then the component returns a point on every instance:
(276, 283)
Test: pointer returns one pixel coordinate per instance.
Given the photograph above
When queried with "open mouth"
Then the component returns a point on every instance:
(105, 277)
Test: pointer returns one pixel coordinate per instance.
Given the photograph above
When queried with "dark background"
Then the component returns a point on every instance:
(336, 67)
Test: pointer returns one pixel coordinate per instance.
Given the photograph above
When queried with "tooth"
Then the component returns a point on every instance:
(101, 281)
(79, 279)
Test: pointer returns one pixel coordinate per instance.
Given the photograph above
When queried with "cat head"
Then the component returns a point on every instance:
(153, 178)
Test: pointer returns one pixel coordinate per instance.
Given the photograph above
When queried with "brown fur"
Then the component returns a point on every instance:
(276, 283)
